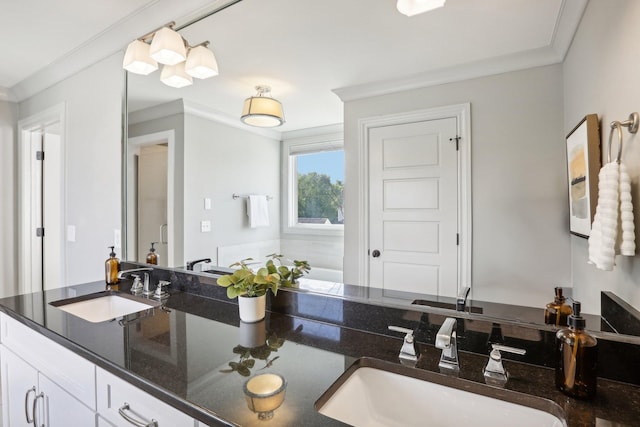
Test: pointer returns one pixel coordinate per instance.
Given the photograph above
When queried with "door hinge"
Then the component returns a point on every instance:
(40, 232)
(457, 140)
(39, 155)
(458, 239)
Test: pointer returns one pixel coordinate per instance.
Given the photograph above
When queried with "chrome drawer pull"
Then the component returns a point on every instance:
(132, 420)
(26, 404)
(35, 407)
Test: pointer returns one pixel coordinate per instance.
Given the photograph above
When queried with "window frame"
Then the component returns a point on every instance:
(290, 149)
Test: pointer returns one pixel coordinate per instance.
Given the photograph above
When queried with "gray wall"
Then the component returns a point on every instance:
(601, 75)
(521, 245)
(8, 199)
(223, 160)
(93, 100)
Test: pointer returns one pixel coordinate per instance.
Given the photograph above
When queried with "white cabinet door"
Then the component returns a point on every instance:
(61, 409)
(19, 388)
(22, 383)
(119, 400)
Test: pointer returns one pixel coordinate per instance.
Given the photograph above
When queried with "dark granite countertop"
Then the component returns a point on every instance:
(181, 355)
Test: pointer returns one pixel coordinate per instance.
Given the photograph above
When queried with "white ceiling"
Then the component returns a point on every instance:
(307, 50)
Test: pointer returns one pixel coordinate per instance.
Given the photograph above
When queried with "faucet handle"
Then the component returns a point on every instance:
(161, 293)
(136, 288)
(495, 373)
(408, 354)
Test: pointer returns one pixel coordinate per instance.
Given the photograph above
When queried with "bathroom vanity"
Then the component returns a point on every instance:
(185, 363)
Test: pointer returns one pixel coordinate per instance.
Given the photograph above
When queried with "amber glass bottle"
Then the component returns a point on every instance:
(557, 312)
(152, 256)
(576, 358)
(111, 268)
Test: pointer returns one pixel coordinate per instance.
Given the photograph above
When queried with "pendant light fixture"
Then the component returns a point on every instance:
(262, 110)
(415, 7)
(137, 59)
(201, 63)
(175, 76)
(168, 47)
(181, 61)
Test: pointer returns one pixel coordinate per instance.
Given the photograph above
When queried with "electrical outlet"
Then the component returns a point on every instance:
(117, 239)
(205, 226)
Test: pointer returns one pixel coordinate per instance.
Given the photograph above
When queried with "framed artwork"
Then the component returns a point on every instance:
(583, 166)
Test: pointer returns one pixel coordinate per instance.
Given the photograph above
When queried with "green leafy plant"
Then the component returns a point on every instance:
(248, 356)
(245, 282)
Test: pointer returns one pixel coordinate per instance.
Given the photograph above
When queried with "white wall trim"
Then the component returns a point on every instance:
(6, 94)
(180, 106)
(132, 145)
(55, 114)
(462, 113)
(565, 27)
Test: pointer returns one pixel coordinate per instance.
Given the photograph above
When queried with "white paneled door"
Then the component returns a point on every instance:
(413, 208)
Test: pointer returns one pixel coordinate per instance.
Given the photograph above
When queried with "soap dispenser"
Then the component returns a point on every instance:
(152, 256)
(576, 358)
(557, 312)
(111, 268)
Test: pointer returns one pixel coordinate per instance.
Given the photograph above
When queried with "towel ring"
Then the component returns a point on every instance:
(615, 125)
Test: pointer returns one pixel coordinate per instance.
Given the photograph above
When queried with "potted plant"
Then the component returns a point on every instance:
(251, 286)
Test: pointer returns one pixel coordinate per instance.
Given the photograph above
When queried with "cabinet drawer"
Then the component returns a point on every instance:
(65, 368)
(114, 393)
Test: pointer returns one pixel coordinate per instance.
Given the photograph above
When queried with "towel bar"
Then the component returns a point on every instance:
(244, 196)
(631, 124)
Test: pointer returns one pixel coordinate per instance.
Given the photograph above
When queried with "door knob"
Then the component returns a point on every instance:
(375, 253)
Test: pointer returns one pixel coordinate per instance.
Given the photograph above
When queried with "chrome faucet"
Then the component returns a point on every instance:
(408, 353)
(136, 288)
(446, 341)
(495, 373)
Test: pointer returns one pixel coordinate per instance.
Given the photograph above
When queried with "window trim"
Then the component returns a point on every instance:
(330, 139)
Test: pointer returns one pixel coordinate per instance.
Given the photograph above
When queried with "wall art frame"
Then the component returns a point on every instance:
(583, 166)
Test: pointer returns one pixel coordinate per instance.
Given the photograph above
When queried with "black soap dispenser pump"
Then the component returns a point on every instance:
(152, 256)
(576, 358)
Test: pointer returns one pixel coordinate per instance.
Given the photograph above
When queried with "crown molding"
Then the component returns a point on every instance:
(204, 112)
(6, 94)
(323, 133)
(183, 106)
(569, 16)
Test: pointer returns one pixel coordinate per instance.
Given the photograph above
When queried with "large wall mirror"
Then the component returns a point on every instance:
(334, 65)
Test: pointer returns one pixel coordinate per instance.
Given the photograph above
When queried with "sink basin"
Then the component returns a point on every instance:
(375, 393)
(102, 306)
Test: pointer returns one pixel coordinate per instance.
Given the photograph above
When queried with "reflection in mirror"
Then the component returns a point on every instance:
(521, 243)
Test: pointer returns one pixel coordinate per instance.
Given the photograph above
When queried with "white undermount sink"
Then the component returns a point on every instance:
(375, 393)
(103, 306)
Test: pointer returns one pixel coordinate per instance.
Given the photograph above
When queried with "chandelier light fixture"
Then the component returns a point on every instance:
(415, 7)
(262, 110)
(181, 62)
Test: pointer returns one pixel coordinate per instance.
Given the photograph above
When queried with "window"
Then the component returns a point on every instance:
(315, 183)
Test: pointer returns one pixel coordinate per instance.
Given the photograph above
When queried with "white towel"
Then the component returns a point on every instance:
(614, 207)
(628, 244)
(257, 211)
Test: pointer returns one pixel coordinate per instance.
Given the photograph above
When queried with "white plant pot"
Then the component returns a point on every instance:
(252, 309)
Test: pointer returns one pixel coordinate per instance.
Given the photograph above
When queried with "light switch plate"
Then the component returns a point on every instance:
(205, 226)
(207, 204)
(71, 233)
(117, 241)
